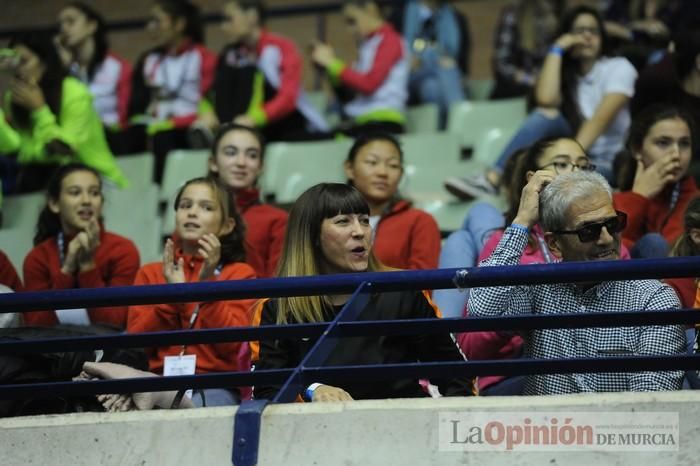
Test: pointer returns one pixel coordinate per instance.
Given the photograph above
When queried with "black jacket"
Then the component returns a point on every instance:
(287, 353)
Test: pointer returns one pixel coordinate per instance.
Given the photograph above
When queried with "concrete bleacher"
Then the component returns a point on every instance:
(384, 432)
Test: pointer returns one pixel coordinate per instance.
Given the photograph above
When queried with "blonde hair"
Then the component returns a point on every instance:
(301, 253)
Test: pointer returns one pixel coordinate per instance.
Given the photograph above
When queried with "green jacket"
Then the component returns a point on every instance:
(78, 125)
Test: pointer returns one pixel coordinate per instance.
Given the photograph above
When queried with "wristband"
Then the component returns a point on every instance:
(519, 227)
(309, 393)
(556, 50)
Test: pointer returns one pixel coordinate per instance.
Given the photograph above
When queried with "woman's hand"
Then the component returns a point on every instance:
(172, 271)
(322, 54)
(89, 242)
(650, 181)
(569, 40)
(111, 371)
(26, 93)
(71, 259)
(210, 251)
(329, 393)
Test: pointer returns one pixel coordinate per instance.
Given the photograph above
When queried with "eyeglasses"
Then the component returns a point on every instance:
(594, 31)
(591, 232)
(565, 167)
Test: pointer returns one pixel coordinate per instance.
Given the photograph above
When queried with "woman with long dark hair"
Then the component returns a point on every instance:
(83, 46)
(329, 232)
(655, 187)
(580, 92)
(72, 249)
(48, 117)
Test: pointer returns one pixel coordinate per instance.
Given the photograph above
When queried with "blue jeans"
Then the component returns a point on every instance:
(215, 397)
(461, 249)
(651, 245)
(536, 126)
(434, 83)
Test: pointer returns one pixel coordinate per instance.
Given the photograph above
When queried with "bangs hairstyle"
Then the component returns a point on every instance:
(302, 255)
(363, 139)
(257, 5)
(232, 244)
(49, 223)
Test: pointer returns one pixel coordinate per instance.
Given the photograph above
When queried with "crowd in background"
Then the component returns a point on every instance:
(613, 89)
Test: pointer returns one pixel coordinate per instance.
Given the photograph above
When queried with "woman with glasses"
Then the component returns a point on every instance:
(653, 178)
(580, 92)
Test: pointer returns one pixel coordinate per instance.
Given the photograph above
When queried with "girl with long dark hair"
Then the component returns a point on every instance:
(72, 249)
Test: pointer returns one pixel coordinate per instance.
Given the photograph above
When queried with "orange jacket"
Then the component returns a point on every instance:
(218, 357)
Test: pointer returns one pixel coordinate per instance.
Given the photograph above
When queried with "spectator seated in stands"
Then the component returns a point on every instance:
(374, 90)
(84, 49)
(329, 232)
(580, 223)
(208, 245)
(580, 91)
(48, 118)
(72, 249)
(9, 282)
(484, 225)
(403, 237)
(438, 37)
(675, 79)
(170, 81)
(524, 31)
(259, 78)
(688, 244)
(237, 162)
(654, 180)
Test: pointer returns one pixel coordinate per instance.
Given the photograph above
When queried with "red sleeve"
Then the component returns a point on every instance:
(425, 243)
(8, 274)
(284, 102)
(37, 277)
(151, 317)
(685, 288)
(228, 313)
(390, 51)
(635, 206)
(277, 231)
(208, 70)
(124, 92)
(123, 266)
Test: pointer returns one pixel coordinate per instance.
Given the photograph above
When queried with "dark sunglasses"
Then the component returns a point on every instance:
(591, 232)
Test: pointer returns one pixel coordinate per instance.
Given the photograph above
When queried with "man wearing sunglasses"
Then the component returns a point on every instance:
(576, 212)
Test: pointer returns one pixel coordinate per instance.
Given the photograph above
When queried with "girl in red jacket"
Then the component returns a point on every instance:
(237, 161)
(72, 249)
(654, 182)
(404, 237)
(207, 246)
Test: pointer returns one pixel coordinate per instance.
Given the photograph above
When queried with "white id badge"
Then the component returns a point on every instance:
(180, 365)
(73, 316)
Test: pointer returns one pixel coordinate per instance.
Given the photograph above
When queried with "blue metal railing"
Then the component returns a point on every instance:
(362, 285)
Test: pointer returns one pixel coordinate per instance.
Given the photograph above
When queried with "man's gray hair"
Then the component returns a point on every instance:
(565, 190)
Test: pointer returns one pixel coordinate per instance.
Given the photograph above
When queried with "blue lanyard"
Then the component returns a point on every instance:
(545, 250)
(60, 242)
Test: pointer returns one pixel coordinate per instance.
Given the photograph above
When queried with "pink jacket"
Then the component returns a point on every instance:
(502, 345)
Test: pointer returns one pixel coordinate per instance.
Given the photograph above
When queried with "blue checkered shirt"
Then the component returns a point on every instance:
(586, 342)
